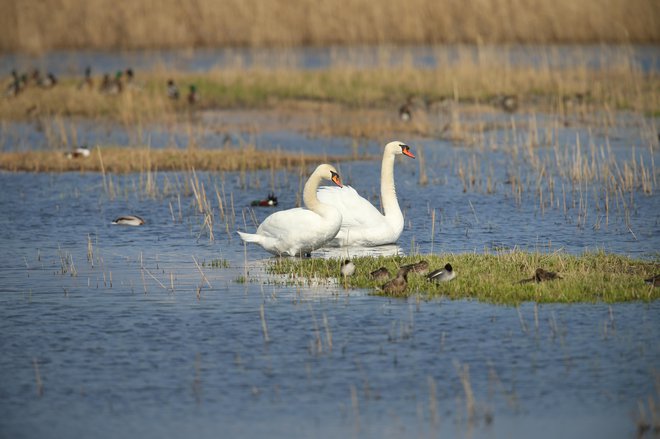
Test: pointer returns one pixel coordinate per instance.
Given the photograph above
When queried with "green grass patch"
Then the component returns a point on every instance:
(382, 87)
(495, 278)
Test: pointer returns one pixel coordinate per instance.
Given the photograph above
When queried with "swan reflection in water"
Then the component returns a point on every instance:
(318, 287)
(358, 251)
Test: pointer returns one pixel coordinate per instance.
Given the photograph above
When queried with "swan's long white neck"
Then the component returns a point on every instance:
(310, 200)
(391, 207)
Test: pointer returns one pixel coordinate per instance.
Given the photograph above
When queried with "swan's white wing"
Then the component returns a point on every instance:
(355, 210)
(296, 230)
(288, 221)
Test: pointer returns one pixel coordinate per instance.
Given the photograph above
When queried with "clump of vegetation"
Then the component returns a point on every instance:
(217, 263)
(496, 278)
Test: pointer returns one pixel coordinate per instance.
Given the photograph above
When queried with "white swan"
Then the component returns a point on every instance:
(363, 224)
(296, 232)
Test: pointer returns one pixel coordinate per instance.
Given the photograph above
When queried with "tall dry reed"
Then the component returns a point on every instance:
(123, 24)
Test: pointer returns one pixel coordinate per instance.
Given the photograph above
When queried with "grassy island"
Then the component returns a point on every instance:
(496, 278)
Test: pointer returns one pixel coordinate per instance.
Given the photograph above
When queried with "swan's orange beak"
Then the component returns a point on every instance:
(336, 180)
(405, 149)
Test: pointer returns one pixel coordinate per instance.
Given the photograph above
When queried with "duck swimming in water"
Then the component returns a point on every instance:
(271, 201)
(128, 220)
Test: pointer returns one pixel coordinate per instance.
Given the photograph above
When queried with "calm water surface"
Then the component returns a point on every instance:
(119, 352)
(201, 60)
(110, 331)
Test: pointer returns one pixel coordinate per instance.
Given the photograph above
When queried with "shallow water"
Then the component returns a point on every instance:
(120, 352)
(129, 337)
(201, 60)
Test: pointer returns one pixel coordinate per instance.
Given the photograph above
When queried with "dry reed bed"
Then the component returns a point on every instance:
(127, 160)
(123, 24)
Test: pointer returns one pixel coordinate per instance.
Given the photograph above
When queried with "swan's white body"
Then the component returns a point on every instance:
(363, 224)
(296, 232)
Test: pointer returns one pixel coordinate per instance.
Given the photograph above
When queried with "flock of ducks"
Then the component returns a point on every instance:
(507, 103)
(173, 92)
(18, 83)
(109, 84)
(397, 285)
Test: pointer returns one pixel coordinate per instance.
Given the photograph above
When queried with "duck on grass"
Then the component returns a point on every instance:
(495, 278)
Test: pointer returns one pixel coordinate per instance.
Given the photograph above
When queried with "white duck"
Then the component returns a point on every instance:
(296, 232)
(362, 223)
(128, 220)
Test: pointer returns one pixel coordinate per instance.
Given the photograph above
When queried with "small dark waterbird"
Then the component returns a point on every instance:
(80, 152)
(421, 267)
(509, 103)
(444, 274)
(193, 96)
(541, 275)
(14, 88)
(87, 81)
(106, 83)
(271, 201)
(380, 275)
(406, 110)
(653, 280)
(48, 82)
(398, 285)
(172, 90)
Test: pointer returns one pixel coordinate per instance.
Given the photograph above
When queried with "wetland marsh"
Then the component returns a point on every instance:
(177, 328)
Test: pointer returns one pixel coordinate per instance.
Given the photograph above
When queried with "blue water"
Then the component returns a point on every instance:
(644, 57)
(110, 331)
(138, 343)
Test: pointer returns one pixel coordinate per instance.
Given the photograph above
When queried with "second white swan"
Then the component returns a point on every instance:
(362, 223)
(296, 232)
